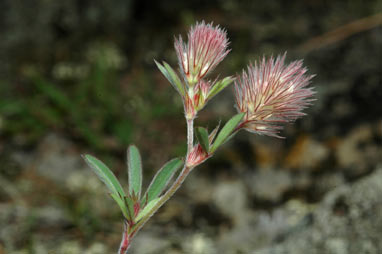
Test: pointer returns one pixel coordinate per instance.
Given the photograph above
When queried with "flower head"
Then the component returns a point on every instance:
(271, 93)
(206, 48)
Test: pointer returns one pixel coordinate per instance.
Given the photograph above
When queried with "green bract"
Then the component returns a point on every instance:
(219, 86)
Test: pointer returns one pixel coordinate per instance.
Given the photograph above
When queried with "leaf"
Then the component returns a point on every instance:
(134, 170)
(130, 206)
(219, 86)
(175, 78)
(171, 76)
(161, 179)
(213, 133)
(202, 136)
(226, 131)
(165, 72)
(105, 175)
(121, 205)
(146, 210)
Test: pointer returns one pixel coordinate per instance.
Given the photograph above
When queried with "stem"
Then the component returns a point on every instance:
(175, 186)
(125, 240)
(190, 136)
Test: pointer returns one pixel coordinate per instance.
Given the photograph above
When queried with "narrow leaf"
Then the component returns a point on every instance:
(165, 73)
(226, 131)
(105, 175)
(121, 205)
(171, 76)
(146, 210)
(134, 168)
(175, 78)
(219, 86)
(129, 203)
(161, 179)
(202, 136)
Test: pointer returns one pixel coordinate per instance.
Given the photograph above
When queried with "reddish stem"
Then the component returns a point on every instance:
(125, 243)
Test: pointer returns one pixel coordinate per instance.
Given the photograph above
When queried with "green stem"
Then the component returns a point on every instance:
(175, 186)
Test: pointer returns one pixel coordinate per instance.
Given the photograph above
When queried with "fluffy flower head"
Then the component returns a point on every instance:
(271, 93)
(206, 48)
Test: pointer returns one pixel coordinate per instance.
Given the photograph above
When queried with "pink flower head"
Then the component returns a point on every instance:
(271, 93)
(206, 47)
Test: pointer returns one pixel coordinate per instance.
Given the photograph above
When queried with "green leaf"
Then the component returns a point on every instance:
(105, 175)
(226, 131)
(165, 72)
(174, 77)
(213, 134)
(146, 210)
(202, 136)
(134, 168)
(219, 86)
(171, 76)
(121, 205)
(130, 206)
(161, 179)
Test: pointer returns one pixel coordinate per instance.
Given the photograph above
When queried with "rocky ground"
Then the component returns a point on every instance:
(58, 206)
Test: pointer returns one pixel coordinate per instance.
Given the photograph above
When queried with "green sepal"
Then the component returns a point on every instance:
(134, 168)
(146, 209)
(161, 179)
(202, 136)
(105, 175)
(226, 131)
(219, 86)
(171, 76)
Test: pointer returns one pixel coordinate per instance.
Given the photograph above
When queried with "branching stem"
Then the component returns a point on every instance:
(174, 187)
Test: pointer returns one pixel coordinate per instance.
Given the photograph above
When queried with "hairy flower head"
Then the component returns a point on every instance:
(206, 47)
(271, 93)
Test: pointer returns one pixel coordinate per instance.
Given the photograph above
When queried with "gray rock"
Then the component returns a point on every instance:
(150, 243)
(269, 184)
(56, 159)
(348, 221)
(230, 197)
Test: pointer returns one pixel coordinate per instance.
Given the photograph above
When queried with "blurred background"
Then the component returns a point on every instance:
(79, 77)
